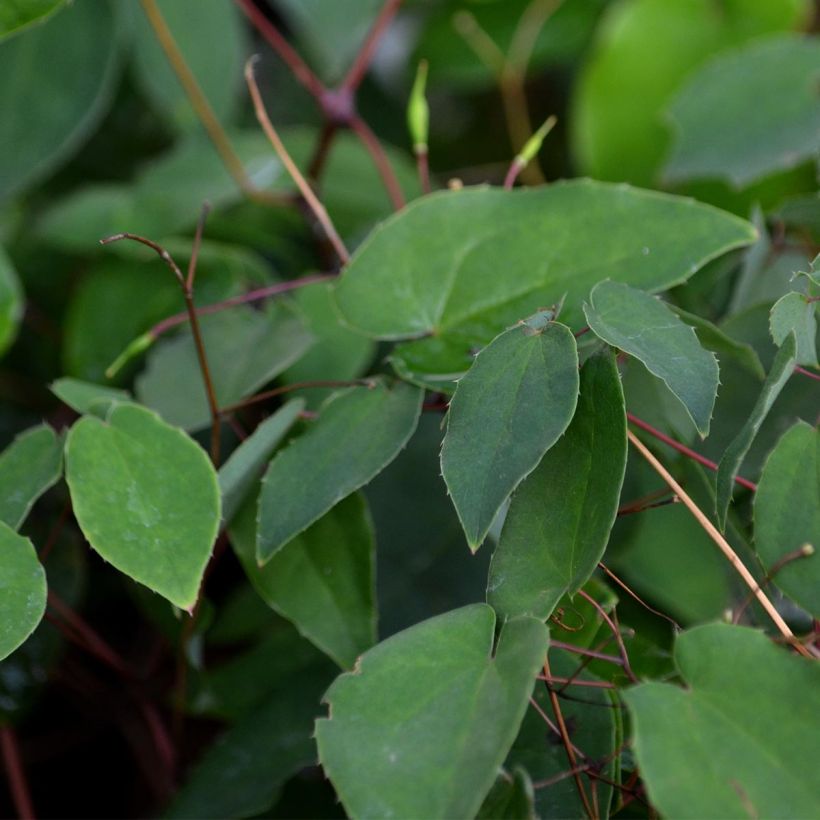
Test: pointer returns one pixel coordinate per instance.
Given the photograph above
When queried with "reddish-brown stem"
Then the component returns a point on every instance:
(289, 388)
(803, 372)
(15, 773)
(590, 653)
(615, 632)
(565, 739)
(358, 69)
(371, 142)
(592, 684)
(632, 510)
(322, 150)
(635, 595)
(423, 168)
(684, 450)
(56, 530)
(246, 298)
(298, 67)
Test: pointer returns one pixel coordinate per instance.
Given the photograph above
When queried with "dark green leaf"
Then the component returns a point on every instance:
(511, 798)
(646, 328)
(558, 524)
(146, 497)
(787, 515)
(245, 348)
(242, 470)
(793, 313)
(31, 464)
(323, 580)
(510, 408)
(87, 397)
(16, 15)
(729, 465)
(59, 98)
(422, 725)
(358, 433)
(748, 113)
(748, 712)
(11, 302)
(22, 590)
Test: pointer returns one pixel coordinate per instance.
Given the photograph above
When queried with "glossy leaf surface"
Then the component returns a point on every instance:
(429, 715)
(644, 327)
(709, 750)
(146, 497)
(559, 521)
(22, 590)
(31, 464)
(358, 433)
(787, 514)
(510, 408)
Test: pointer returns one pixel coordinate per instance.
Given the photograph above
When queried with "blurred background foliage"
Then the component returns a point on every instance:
(97, 136)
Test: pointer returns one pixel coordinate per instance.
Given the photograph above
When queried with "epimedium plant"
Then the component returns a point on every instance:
(508, 511)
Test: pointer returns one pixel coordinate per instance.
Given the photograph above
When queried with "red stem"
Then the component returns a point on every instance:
(371, 142)
(18, 785)
(803, 372)
(356, 72)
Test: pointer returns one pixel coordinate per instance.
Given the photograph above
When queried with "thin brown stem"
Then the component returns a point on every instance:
(423, 168)
(355, 74)
(322, 150)
(312, 200)
(568, 746)
(198, 100)
(15, 773)
(192, 262)
(379, 158)
(684, 450)
(289, 388)
(722, 543)
(637, 597)
(616, 633)
(591, 684)
(590, 653)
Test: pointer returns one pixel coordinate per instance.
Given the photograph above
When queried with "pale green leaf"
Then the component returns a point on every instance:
(22, 590)
(146, 497)
(322, 580)
(740, 740)
(242, 470)
(245, 348)
(87, 397)
(58, 94)
(11, 302)
(422, 725)
(558, 524)
(787, 515)
(793, 313)
(732, 460)
(748, 113)
(644, 327)
(510, 408)
(17, 15)
(31, 464)
(359, 432)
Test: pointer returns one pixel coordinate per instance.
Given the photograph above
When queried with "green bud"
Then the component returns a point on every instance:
(533, 144)
(418, 112)
(139, 345)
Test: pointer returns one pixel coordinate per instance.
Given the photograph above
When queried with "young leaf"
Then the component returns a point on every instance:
(558, 524)
(748, 113)
(241, 471)
(646, 328)
(31, 464)
(787, 515)
(87, 397)
(323, 581)
(510, 408)
(11, 302)
(420, 729)
(245, 349)
(793, 313)
(729, 465)
(490, 253)
(146, 497)
(358, 433)
(748, 710)
(22, 590)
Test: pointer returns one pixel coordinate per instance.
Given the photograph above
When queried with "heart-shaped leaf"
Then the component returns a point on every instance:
(146, 497)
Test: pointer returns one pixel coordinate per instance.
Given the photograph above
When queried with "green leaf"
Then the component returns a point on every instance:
(245, 348)
(58, 101)
(242, 470)
(793, 313)
(716, 340)
(748, 113)
(31, 464)
(323, 580)
(787, 514)
(87, 397)
(213, 48)
(146, 497)
(644, 327)
(242, 773)
(17, 15)
(422, 725)
(11, 302)
(358, 433)
(739, 740)
(22, 590)
(558, 524)
(730, 464)
(512, 797)
(510, 408)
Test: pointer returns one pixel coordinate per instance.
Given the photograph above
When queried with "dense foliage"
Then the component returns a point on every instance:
(440, 465)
